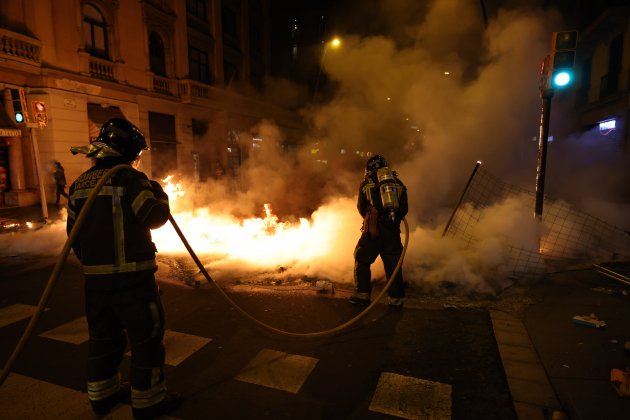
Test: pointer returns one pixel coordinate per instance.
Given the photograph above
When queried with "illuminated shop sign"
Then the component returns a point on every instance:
(607, 126)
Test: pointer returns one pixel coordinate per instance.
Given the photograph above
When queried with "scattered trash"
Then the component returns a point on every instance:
(589, 320)
(566, 366)
(324, 286)
(613, 341)
(620, 380)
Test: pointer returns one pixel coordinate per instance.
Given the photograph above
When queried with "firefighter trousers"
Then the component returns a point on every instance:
(389, 246)
(113, 317)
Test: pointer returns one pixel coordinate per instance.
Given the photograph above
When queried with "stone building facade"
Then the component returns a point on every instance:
(187, 72)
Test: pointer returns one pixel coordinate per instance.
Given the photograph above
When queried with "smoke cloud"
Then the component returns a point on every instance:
(434, 95)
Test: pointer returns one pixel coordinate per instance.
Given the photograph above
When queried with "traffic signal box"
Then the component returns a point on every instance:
(39, 113)
(562, 57)
(20, 109)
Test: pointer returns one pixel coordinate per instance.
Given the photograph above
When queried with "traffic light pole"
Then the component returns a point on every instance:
(546, 94)
(38, 165)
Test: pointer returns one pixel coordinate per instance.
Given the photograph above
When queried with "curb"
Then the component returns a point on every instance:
(532, 394)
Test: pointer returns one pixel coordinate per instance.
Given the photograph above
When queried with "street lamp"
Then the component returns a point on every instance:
(333, 43)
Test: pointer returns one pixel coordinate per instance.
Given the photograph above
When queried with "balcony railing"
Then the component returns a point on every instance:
(101, 69)
(190, 89)
(19, 47)
(164, 85)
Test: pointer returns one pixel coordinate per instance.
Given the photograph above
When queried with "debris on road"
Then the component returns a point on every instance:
(620, 380)
(589, 320)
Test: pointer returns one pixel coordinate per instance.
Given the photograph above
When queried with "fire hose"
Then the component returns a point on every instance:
(54, 276)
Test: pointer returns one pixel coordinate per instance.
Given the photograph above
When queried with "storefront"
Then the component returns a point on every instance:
(8, 130)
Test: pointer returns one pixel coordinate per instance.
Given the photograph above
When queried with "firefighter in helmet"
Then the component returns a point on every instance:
(122, 299)
(383, 204)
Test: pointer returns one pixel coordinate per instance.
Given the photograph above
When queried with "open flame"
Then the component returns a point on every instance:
(173, 190)
(254, 243)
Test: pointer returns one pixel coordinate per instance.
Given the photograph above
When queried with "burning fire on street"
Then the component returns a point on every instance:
(265, 249)
(261, 244)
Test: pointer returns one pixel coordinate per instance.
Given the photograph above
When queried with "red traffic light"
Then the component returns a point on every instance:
(566, 40)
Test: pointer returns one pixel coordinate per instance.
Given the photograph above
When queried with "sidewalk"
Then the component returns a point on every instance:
(577, 358)
(13, 218)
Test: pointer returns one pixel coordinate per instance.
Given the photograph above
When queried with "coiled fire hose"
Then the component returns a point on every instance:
(54, 276)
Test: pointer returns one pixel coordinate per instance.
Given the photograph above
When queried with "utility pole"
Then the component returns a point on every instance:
(33, 127)
(556, 72)
(543, 140)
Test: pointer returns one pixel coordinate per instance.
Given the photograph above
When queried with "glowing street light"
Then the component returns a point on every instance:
(333, 43)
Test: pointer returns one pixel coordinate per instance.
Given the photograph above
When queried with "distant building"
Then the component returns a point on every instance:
(602, 91)
(187, 72)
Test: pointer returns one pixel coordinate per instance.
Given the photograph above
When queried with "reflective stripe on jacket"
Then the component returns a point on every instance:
(116, 235)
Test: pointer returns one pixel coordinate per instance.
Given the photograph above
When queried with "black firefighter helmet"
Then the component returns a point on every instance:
(117, 138)
(375, 163)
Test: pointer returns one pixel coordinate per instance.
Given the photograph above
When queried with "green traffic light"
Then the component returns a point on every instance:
(562, 78)
(19, 117)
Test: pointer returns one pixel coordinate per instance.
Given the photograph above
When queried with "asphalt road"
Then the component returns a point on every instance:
(415, 363)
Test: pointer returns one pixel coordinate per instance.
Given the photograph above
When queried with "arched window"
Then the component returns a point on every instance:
(95, 32)
(157, 57)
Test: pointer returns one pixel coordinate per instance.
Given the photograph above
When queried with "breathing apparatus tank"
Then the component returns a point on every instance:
(389, 191)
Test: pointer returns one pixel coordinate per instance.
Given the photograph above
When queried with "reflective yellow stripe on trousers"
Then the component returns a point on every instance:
(99, 390)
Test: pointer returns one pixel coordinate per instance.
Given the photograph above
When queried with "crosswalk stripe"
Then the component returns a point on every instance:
(24, 397)
(15, 313)
(73, 332)
(411, 398)
(180, 346)
(278, 370)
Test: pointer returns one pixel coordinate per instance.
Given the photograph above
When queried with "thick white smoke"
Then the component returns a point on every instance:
(434, 91)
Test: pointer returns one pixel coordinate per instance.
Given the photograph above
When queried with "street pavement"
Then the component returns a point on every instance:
(577, 358)
(519, 355)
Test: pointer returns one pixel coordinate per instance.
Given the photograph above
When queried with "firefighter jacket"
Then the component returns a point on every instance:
(115, 238)
(370, 205)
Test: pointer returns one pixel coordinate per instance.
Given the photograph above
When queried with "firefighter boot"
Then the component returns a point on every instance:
(171, 401)
(102, 407)
(361, 298)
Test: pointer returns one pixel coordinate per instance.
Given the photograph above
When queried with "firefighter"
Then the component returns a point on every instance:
(122, 299)
(383, 204)
(60, 182)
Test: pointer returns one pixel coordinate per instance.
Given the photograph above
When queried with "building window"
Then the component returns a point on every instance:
(157, 56)
(196, 8)
(198, 65)
(615, 55)
(585, 82)
(255, 41)
(95, 32)
(163, 144)
(229, 23)
(610, 81)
